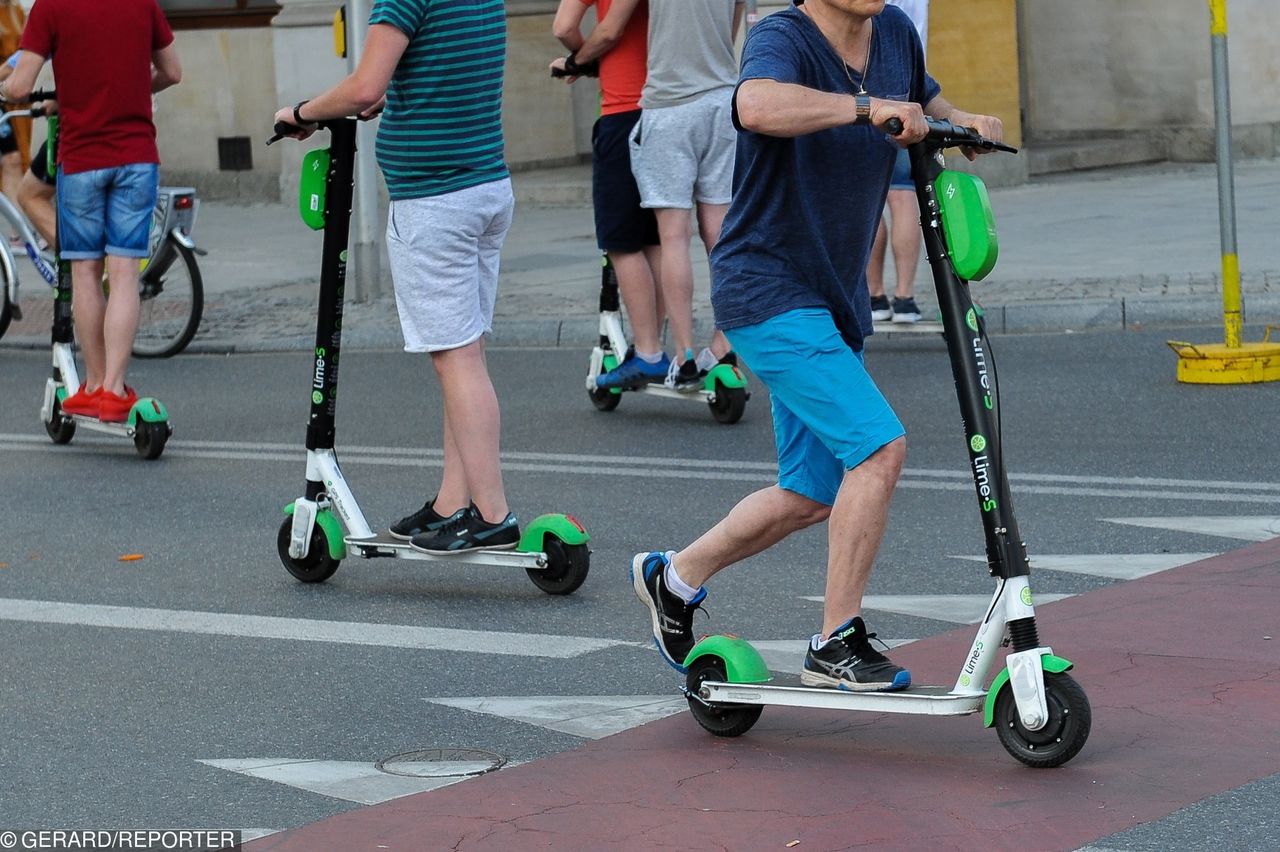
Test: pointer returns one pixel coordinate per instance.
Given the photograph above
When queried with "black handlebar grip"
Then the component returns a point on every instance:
(893, 126)
(42, 95)
(283, 129)
(559, 72)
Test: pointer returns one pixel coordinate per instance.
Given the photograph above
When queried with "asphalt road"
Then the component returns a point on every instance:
(106, 725)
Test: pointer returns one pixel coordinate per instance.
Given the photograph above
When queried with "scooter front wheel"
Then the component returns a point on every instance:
(604, 399)
(317, 566)
(723, 720)
(60, 427)
(567, 566)
(1062, 736)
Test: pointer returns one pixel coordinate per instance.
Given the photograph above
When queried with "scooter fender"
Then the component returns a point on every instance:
(564, 527)
(148, 410)
(742, 662)
(1050, 662)
(323, 518)
(727, 375)
(52, 391)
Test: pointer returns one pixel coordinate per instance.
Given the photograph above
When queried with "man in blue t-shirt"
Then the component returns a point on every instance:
(819, 82)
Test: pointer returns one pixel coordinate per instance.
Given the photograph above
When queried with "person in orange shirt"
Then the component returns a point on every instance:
(618, 47)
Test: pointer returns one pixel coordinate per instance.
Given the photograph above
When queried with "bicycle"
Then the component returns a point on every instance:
(172, 293)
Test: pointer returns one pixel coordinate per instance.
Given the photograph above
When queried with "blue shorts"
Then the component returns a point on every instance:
(828, 415)
(106, 211)
(901, 178)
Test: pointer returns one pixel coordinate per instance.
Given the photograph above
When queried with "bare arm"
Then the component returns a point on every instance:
(23, 78)
(567, 26)
(607, 33)
(786, 110)
(362, 90)
(738, 10)
(167, 69)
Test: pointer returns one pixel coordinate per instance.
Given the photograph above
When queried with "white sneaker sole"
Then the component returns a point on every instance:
(808, 678)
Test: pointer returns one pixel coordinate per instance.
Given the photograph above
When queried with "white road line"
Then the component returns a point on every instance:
(959, 609)
(695, 469)
(303, 629)
(588, 716)
(349, 780)
(1255, 528)
(1117, 566)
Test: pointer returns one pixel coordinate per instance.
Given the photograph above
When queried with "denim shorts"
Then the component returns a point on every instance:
(106, 211)
(901, 178)
(828, 415)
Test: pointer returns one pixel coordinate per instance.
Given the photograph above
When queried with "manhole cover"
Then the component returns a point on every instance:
(441, 762)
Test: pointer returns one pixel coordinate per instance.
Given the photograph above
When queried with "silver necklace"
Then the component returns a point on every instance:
(866, 65)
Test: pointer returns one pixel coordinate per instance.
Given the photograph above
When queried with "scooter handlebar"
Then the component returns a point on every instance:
(944, 134)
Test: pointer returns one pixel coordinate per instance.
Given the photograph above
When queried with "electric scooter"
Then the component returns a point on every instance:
(724, 389)
(326, 523)
(1041, 715)
(148, 421)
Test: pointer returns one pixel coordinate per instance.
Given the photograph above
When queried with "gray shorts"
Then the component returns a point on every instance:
(682, 154)
(444, 262)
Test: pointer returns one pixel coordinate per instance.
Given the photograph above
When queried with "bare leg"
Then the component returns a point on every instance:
(674, 229)
(453, 494)
(11, 174)
(875, 266)
(710, 222)
(120, 322)
(759, 521)
(474, 421)
(906, 241)
(653, 256)
(857, 525)
(35, 197)
(88, 308)
(639, 294)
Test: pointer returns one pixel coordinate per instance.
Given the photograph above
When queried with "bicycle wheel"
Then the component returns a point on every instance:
(6, 308)
(172, 294)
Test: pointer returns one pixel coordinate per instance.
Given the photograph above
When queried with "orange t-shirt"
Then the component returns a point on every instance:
(622, 70)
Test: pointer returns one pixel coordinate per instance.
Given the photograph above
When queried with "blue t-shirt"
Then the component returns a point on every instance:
(804, 212)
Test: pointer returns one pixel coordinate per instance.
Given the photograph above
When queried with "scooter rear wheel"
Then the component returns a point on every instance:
(729, 404)
(1063, 735)
(317, 566)
(567, 566)
(149, 439)
(723, 720)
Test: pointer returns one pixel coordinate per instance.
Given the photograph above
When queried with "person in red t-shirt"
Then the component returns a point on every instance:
(108, 60)
(625, 231)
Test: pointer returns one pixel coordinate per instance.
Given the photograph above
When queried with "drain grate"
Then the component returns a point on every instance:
(441, 763)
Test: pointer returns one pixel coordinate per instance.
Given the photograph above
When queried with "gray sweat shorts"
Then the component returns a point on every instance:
(444, 262)
(682, 154)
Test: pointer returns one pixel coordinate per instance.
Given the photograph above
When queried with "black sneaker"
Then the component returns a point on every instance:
(880, 310)
(849, 662)
(905, 311)
(685, 378)
(470, 532)
(672, 617)
(426, 519)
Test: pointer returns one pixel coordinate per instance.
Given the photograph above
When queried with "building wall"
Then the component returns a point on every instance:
(1143, 67)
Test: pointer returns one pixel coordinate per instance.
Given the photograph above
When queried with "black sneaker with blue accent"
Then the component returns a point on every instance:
(847, 661)
(470, 532)
(672, 618)
(425, 520)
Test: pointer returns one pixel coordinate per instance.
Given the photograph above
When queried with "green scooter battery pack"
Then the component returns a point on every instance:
(311, 188)
(968, 223)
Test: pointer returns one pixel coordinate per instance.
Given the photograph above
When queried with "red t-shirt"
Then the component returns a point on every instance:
(102, 69)
(622, 69)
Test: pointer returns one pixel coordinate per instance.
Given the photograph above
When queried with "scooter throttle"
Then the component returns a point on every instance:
(893, 126)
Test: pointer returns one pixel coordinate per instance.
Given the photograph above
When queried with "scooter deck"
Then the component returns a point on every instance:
(95, 425)
(922, 327)
(788, 691)
(385, 545)
(700, 395)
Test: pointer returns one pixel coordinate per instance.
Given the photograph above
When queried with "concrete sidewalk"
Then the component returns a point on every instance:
(1100, 249)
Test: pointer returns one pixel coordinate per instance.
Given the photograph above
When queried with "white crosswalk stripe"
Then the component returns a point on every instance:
(1247, 527)
(958, 609)
(349, 780)
(588, 716)
(1116, 566)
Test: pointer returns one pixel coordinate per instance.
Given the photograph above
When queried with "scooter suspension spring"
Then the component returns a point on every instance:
(1023, 634)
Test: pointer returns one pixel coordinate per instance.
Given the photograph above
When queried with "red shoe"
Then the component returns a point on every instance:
(113, 408)
(83, 403)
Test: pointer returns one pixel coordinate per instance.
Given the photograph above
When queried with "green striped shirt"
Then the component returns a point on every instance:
(441, 130)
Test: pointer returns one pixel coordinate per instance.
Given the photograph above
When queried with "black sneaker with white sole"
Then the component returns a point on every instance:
(847, 661)
(672, 618)
(470, 532)
(426, 519)
(685, 377)
(880, 310)
(905, 311)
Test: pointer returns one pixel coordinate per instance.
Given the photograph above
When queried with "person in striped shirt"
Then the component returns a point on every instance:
(434, 68)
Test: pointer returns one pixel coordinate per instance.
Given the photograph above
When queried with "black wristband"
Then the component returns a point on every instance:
(586, 69)
(297, 116)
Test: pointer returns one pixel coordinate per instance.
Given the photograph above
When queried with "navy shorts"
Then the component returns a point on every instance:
(622, 225)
